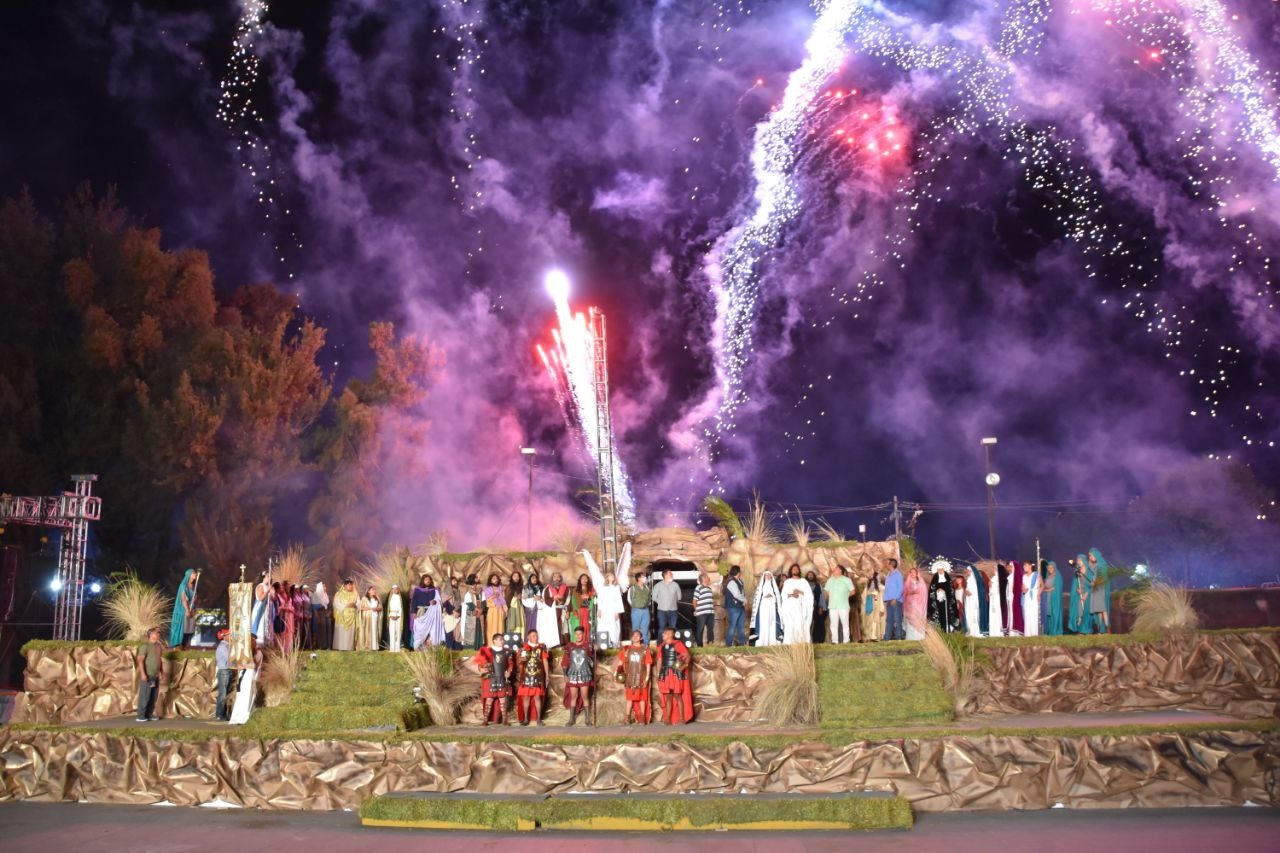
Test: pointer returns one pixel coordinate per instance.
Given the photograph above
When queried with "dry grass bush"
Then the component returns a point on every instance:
(446, 692)
(757, 524)
(1164, 609)
(825, 531)
(294, 567)
(131, 607)
(572, 539)
(790, 696)
(799, 530)
(957, 671)
(280, 671)
(396, 565)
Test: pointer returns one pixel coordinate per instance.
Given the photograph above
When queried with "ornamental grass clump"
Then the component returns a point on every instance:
(1164, 609)
(445, 691)
(280, 671)
(954, 666)
(395, 566)
(131, 607)
(790, 697)
(295, 569)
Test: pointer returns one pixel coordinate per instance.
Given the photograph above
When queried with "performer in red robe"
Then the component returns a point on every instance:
(532, 676)
(674, 684)
(579, 664)
(635, 668)
(497, 666)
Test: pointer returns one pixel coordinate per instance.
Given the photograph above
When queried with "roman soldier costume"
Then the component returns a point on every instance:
(674, 683)
(532, 676)
(579, 663)
(635, 667)
(497, 671)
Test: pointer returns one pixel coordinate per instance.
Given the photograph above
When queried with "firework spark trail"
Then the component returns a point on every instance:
(735, 266)
(237, 110)
(574, 354)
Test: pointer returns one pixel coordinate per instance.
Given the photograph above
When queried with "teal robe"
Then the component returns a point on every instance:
(1078, 611)
(1051, 599)
(178, 623)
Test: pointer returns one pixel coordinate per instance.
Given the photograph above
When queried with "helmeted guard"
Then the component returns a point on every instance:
(674, 683)
(579, 663)
(635, 671)
(497, 665)
(532, 675)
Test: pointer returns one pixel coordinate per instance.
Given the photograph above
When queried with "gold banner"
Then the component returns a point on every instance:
(239, 612)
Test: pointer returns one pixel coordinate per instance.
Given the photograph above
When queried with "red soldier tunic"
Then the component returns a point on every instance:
(532, 675)
(674, 683)
(634, 665)
(496, 670)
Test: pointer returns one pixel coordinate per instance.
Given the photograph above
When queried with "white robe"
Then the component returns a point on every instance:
(395, 621)
(764, 610)
(972, 624)
(994, 619)
(609, 598)
(797, 612)
(244, 697)
(1031, 604)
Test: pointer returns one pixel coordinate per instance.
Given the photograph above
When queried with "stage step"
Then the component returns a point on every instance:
(342, 691)
(628, 812)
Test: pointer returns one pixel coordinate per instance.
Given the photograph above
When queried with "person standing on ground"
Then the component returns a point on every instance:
(704, 611)
(1051, 592)
(635, 669)
(797, 607)
(222, 660)
(395, 619)
(321, 619)
(818, 621)
(873, 609)
(639, 597)
(893, 589)
(735, 608)
(838, 589)
(532, 676)
(182, 624)
(345, 616)
(150, 660)
(666, 597)
(766, 615)
(674, 684)
(497, 665)
(578, 660)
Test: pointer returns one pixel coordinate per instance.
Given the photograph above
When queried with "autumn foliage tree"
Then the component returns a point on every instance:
(205, 415)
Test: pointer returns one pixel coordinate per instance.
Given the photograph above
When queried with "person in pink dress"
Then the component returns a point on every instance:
(915, 602)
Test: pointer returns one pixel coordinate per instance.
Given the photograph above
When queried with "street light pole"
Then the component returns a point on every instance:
(529, 453)
(993, 480)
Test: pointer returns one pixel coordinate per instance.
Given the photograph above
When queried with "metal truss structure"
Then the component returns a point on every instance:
(605, 479)
(70, 513)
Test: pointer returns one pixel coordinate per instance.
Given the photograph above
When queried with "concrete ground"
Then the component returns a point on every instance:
(83, 828)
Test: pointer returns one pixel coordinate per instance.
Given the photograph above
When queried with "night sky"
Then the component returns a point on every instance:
(836, 245)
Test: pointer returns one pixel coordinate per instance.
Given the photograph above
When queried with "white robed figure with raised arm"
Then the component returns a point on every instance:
(610, 588)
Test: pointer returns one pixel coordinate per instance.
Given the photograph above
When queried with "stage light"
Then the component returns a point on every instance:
(95, 588)
(1140, 569)
(557, 284)
(993, 479)
(55, 585)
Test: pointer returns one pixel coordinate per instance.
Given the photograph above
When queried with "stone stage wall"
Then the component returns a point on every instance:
(1237, 674)
(988, 772)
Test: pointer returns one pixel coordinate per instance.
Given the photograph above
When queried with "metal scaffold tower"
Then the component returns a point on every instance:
(71, 513)
(605, 484)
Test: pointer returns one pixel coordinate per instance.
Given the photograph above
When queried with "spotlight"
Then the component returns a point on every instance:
(1140, 569)
(95, 588)
(55, 585)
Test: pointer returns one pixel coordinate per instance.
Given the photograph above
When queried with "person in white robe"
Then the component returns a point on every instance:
(766, 621)
(395, 619)
(1030, 600)
(972, 620)
(796, 608)
(247, 689)
(610, 592)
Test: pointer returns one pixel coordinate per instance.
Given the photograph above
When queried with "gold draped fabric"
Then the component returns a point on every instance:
(960, 772)
(240, 613)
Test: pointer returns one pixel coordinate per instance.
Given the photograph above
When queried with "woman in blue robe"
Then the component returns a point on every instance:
(182, 624)
(1051, 597)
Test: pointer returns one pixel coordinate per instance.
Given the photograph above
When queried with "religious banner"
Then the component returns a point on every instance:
(239, 611)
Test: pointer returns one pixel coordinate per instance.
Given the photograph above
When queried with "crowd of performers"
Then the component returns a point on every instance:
(521, 675)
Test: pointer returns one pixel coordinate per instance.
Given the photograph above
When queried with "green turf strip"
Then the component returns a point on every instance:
(503, 815)
(881, 690)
